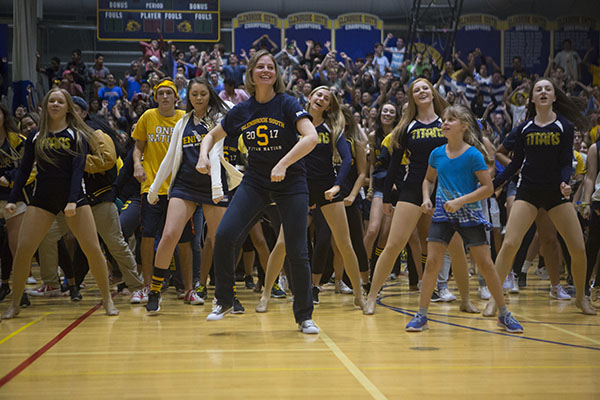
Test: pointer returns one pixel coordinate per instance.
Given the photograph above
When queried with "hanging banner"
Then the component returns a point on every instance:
(583, 32)
(178, 20)
(527, 36)
(260, 28)
(305, 26)
(355, 34)
(480, 31)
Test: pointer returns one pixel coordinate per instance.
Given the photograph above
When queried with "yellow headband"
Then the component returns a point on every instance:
(165, 83)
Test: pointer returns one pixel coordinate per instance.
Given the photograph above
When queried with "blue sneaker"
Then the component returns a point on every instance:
(417, 324)
(509, 324)
(276, 292)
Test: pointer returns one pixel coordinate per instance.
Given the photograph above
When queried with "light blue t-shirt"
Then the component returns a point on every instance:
(456, 177)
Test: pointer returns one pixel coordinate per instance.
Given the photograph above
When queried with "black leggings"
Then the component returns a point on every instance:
(322, 242)
(355, 225)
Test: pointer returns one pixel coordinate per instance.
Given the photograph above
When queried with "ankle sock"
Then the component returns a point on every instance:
(503, 311)
(423, 311)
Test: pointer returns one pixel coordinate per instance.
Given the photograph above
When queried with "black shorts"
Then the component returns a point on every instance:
(153, 219)
(316, 194)
(53, 196)
(443, 232)
(196, 196)
(541, 198)
(413, 193)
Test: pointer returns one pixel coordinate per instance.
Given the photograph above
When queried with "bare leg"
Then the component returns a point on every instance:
(84, 228)
(521, 217)
(36, 223)
(460, 266)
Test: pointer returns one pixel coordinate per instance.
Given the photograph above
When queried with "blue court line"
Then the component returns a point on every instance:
(486, 319)
(403, 311)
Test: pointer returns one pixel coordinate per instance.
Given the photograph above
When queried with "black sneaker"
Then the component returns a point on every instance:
(315, 294)
(277, 292)
(522, 279)
(74, 293)
(202, 292)
(249, 282)
(238, 308)
(25, 300)
(4, 291)
(154, 301)
(435, 296)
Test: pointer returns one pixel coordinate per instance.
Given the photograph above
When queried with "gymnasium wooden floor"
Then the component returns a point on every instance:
(56, 349)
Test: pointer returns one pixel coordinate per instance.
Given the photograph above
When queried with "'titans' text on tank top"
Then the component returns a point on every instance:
(422, 139)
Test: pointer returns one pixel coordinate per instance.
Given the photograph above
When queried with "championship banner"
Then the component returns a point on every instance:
(178, 20)
(480, 31)
(356, 34)
(583, 33)
(251, 27)
(527, 36)
(305, 26)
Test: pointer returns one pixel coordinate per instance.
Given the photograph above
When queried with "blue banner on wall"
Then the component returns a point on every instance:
(178, 20)
(257, 27)
(527, 36)
(583, 33)
(355, 34)
(308, 26)
(480, 31)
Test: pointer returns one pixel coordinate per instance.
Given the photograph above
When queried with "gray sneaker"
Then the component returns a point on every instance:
(308, 327)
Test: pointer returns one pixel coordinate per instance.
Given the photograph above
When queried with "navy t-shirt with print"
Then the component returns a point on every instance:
(269, 133)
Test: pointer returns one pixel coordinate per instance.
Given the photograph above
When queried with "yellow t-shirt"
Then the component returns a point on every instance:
(595, 72)
(580, 164)
(156, 131)
(594, 133)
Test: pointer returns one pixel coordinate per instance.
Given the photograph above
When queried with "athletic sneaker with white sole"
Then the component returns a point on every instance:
(308, 327)
(559, 293)
(484, 293)
(446, 296)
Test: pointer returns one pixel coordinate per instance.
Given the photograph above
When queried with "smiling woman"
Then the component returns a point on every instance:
(59, 150)
(269, 123)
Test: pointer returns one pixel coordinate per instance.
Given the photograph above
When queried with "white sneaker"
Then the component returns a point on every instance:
(515, 284)
(145, 293)
(192, 297)
(283, 283)
(341, 287)
(31, 280)
(484, 293)
(218, 312)
(136, 297)
(44, 291)
(508, 282)
(446, 296)
(308, 327)
(542, 273)
(559, 293)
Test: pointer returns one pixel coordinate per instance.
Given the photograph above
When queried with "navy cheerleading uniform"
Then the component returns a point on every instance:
(56, 183)
(190, 184)
(544, 155)
(419, 141)
(320, 172)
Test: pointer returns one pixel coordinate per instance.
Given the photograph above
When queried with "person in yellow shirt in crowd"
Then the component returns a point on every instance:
(152, 136)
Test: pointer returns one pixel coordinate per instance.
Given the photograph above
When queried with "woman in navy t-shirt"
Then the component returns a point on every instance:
(543, 152)
(270, 123)
(59, 150)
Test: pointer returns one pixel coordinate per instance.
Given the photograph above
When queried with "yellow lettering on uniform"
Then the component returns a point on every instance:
(324, 138)
(261, 134)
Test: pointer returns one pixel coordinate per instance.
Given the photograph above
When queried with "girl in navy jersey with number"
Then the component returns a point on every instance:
(188, 187)
(324, 189)
(543, 152)
(417, 134)
(270, 123)
(59, 150)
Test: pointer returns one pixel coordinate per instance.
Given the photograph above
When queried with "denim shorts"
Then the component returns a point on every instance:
(443, 232)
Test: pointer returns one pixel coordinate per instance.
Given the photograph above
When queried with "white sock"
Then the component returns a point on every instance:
(526, 266)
